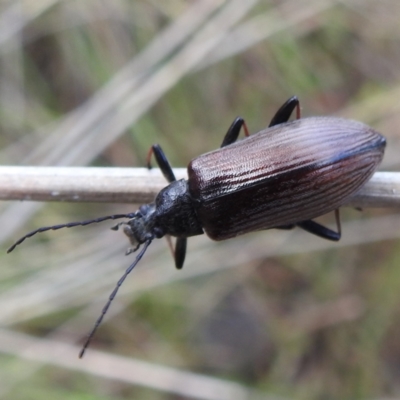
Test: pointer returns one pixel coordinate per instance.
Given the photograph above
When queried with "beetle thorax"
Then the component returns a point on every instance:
(175, 214)
(172, 213)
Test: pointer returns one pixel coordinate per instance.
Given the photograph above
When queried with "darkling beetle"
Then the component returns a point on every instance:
(280, 177)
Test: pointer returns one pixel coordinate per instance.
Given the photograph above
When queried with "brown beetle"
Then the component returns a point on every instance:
(280, 177)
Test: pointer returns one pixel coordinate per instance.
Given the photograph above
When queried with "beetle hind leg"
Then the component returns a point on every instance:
(322, 231)
(234, 130)
(281, 116)
(285, 111)
(317, 229)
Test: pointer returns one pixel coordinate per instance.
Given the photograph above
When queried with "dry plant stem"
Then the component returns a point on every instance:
(139, 185)
(82, 184)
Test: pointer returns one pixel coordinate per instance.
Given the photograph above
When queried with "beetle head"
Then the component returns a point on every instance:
(142, 227)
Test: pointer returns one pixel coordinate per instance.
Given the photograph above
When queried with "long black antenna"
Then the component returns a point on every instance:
(112, 296)
(69, 225)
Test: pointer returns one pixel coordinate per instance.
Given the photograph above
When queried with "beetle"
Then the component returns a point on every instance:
(281, 177)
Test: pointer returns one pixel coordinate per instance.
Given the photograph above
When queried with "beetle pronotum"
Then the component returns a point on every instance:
(281, 177)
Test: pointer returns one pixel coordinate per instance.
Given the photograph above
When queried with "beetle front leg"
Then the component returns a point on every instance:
(162, 162)
(180, 252)
(285, 111)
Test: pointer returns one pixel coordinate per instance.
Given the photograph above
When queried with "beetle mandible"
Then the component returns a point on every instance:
(281, 177)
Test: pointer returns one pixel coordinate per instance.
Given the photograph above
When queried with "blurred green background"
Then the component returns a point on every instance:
(270, 315)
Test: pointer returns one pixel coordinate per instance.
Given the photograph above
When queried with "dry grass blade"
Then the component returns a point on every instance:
(165, 379)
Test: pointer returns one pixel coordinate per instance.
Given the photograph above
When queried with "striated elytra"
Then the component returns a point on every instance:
(281, 177)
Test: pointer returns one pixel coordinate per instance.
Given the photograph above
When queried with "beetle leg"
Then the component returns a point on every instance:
(234, 130)
(322, 231)
(285, 111)
(180, 252)
(180, 245)
(281, 116)
(162, 162)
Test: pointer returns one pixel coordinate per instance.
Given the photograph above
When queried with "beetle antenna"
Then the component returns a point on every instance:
(69, 225)
(112, 296)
